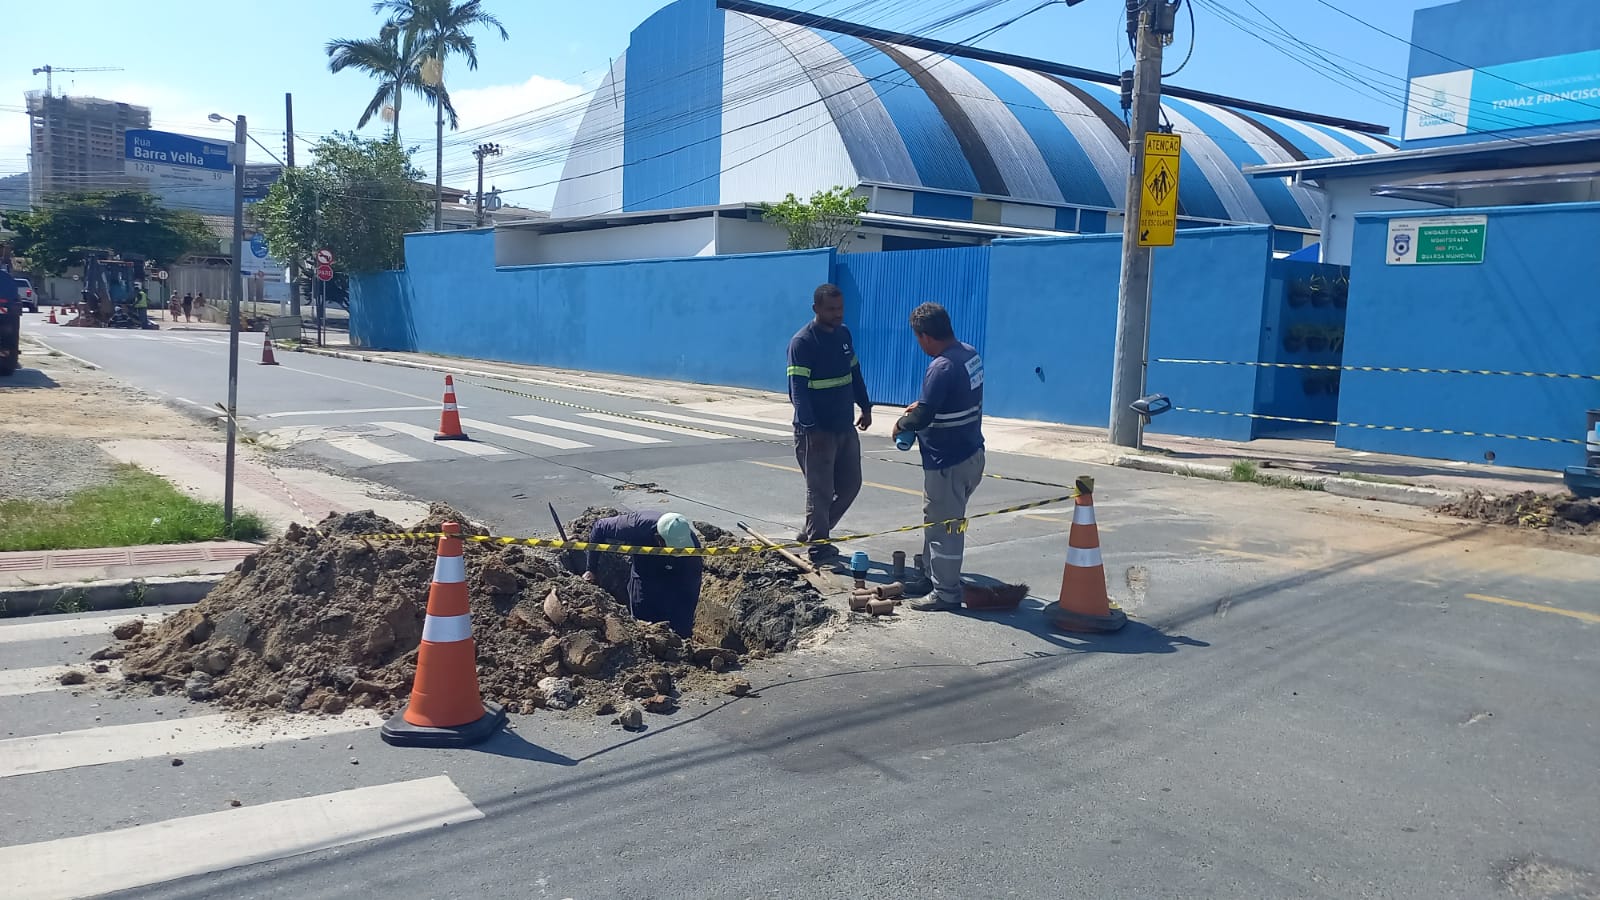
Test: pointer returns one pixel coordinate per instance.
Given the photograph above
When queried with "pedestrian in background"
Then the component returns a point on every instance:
(200, 304)
(188, 306)
(825, 385)
(174, 306)
(948, 422)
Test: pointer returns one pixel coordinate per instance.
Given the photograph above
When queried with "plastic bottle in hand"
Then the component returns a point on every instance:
(905, 440)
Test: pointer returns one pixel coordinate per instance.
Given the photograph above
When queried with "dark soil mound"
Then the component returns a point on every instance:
(1563, 514)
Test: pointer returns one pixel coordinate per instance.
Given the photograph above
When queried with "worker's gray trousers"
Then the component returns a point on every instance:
(944, 496)
(831, 461)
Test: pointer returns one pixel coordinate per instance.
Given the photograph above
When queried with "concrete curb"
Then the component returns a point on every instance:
(54, 349)
(1410, 495)
(117, 593)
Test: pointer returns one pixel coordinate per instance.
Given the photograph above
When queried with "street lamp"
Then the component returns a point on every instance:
(481, 151)
(236, 155)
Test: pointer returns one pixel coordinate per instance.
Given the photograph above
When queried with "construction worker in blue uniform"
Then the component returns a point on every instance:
(825, 385)
(660, 588)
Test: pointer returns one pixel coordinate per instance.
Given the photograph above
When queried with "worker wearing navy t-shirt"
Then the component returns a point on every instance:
(948, 421)
(825, 386)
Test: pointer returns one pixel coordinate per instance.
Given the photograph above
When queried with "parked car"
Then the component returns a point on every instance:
(26, 296)
(10, 326)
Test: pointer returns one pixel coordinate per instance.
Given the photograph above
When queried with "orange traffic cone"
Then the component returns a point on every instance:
(1084, 605)
(267, 359)
(446, 709)
(450, 419)
(53, 316)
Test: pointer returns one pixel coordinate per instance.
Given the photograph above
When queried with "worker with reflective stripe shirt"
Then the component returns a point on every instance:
(660, 588)
(948, 421)
(824, 381)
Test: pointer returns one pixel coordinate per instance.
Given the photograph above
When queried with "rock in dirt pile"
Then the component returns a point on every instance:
(1563, 514)
(321, 620)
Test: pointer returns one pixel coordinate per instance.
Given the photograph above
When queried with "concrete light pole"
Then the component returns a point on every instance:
(481, 151)
(240, 135)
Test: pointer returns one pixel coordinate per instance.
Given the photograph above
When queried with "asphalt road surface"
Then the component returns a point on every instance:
(1317, 697)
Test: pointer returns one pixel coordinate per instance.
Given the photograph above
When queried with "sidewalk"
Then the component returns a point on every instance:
(1405, 479)
(29, 568)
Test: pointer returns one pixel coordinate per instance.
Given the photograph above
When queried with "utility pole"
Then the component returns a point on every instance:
(239, 136)
(288, 151)
(1150, 23)
(481, 151)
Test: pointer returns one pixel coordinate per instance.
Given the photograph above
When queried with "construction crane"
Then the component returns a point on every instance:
(49, 71)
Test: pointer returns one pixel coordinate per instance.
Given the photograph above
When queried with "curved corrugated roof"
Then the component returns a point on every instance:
(981, 128)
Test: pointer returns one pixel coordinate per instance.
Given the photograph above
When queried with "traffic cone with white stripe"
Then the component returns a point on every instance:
(450, 419)
(267, 359)
(1084, 605)
(446, 709)
(53, 316)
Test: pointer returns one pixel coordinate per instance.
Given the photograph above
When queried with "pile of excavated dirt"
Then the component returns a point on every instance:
(1562, 514)
(321, 620)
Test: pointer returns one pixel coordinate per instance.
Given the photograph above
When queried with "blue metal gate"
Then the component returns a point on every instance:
(881, 290)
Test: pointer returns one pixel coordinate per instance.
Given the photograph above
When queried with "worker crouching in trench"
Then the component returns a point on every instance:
(660, 588)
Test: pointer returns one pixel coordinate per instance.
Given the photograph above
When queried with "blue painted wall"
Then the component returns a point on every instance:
(1529, 307)
(881, 290)
(1052, 328)
(672, 129)
(714, 320)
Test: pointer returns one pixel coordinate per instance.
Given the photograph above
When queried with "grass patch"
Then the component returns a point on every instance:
(135, 508)
(1246, 471)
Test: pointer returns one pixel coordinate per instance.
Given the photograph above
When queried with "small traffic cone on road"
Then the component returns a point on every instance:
(450, 419)
(267, 359)
(1084, 605)
(53, 316)
(446, 708)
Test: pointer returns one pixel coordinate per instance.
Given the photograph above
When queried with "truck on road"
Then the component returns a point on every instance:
(10, 324)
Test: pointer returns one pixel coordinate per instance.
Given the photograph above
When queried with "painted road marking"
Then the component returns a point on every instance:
(143, 855)
(424, 434)
(595, 430)
(55, 629)
(1591, 618)
(532, 437)
(680, 417)
(871, 484)
(369, 450)
(16, 682)
(657, 426)
(349, 412)
(370, 387)
(121, 743)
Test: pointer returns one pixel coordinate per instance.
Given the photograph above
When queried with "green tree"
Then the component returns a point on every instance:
(393, 59)
(442, 29)
(55, 236)
(358, 198)
(827, 220)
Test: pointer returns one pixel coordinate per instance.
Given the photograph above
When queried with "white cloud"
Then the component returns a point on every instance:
(533, 122)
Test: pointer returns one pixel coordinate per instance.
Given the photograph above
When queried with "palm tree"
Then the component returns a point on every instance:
(393, 59)
(442, 29)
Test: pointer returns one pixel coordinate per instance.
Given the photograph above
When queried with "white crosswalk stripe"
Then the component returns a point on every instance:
(52, 858)
(595, 430)
(713, 423)
(657, 426)
(423, 434)
(372, 451)
(532, 437)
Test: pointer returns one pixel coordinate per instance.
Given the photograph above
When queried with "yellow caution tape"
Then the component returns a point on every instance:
(1405, 369)
(953, 525)
(1403, 428)
(649, 421)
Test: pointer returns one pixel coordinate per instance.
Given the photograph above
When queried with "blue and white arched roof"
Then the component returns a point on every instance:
(713, 107)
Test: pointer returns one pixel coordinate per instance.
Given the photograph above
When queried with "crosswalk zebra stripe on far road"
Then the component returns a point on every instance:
(595, 430)
(422, 434)
(658, 426)
(94, 864)
(532, 437)
(732, 426)
(371, 451)
(57, 628)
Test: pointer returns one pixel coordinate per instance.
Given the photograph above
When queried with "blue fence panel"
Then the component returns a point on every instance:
(881, 290)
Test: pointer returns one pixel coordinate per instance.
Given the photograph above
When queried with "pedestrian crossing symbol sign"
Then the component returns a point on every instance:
(1158, 211)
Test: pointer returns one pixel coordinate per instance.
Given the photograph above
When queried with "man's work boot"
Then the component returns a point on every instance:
(935, 603)
(823, 553)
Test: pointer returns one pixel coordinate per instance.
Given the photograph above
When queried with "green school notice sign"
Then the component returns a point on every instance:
(1441, 241)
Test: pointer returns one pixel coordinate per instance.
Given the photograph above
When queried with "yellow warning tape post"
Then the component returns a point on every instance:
(629, 549)
(1404, 428)
(1413, 370)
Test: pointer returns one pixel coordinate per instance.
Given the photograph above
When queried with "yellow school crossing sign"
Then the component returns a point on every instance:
(1158, 213)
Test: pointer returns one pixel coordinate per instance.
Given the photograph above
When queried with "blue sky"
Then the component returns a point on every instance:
(184, 62)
